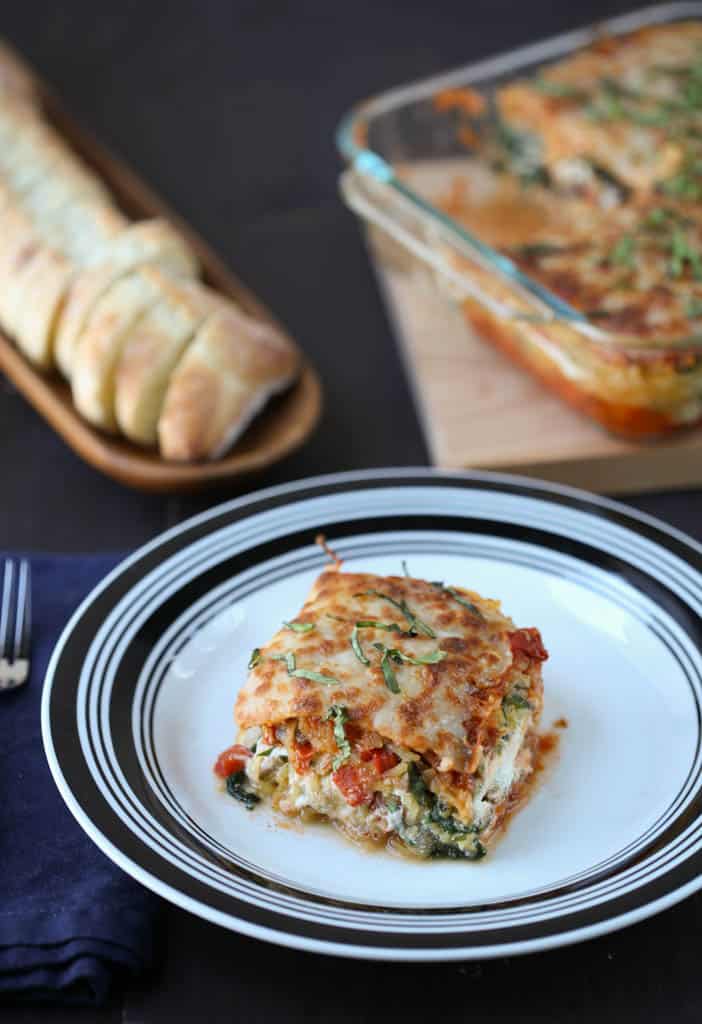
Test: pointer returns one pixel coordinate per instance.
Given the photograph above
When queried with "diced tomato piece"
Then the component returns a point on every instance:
(232, 760)
(462, 780)
(349, 780)
(382, 758)
(353, 731)
(268, 735)
(303, 752)
(529, 642)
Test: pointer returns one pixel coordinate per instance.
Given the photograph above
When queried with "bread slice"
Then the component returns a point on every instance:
(19, 244)
(33, 155)
(81, 229)
(7, 199)
(15, 81)
(27, 135)
(114, 316)
(33, 282)
(151, 352)
(39, 294)
(22, 169)
(225, 377)
(146, 242)
(51, 198)
(49, 180)
(70, 206)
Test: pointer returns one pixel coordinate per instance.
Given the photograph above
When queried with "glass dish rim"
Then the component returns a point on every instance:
(372, 167)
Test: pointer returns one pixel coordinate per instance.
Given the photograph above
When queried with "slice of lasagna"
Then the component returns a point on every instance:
(398, 709)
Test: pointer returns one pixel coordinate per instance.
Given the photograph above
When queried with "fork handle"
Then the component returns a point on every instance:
(13, 673)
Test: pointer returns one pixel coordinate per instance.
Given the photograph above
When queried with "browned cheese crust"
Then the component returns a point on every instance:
(446, 709)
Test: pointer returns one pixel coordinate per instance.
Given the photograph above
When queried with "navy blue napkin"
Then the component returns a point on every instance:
(72, 924)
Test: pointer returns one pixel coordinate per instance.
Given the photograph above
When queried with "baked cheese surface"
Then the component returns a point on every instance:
(451, 668)
(632, 103)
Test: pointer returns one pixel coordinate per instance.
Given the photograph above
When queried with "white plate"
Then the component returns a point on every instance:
(152, 660)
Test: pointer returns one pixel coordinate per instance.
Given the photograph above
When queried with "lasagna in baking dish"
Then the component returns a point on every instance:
(401, 710)
(588, 176)
(630, 105)
(619, 125)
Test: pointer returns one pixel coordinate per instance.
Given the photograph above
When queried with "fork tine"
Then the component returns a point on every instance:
(6, 606)
(24, 611)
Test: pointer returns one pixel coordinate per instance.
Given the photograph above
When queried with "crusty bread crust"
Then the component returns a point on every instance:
(146, 242)
(151, 352)
(230, 370)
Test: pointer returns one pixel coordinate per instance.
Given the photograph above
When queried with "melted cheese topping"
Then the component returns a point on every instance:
(441, 707)
(610, 220)
(569, 112)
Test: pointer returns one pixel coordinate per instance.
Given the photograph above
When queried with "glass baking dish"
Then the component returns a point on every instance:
(401, 151)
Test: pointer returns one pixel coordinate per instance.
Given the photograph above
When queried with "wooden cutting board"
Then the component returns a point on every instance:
(480, 411)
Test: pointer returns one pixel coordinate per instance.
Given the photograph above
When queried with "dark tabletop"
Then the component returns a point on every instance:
(228, 109)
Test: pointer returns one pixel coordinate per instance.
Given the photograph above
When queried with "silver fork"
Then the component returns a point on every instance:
(15, 624)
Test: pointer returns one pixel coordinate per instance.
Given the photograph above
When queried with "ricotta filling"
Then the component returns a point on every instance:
(501, 772)
(402, 804)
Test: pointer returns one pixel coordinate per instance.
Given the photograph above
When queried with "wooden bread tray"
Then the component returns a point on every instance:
(285, 423)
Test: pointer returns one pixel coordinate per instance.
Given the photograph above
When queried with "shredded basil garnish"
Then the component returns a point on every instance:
(304, 673)
(659, 217)
(682, 254)
(300, 627)
(288, 658)
(236, 787)
(452, 592)
(264, 753)
(256, 656)
(684, 186)
(388, 672)
(392, 652)
(559, 90)
(390, 627)
(624, 252)
(399, 657)
(339, 716)
(433, 658)
(473, 608)
(356, 645)
(315, 677)
(415, 625)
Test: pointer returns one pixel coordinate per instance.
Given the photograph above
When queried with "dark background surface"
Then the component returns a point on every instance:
(229, 109)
